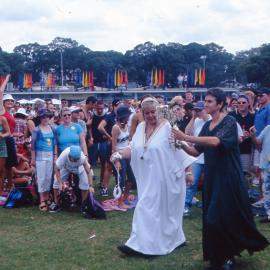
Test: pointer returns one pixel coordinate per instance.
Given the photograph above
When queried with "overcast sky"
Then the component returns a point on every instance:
(122, 24)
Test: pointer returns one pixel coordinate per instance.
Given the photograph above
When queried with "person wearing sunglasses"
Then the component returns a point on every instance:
(8, 105)
(69, 133)
(246, 120)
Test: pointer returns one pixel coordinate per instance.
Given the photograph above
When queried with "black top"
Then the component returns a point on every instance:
(110, 122)
(246, 122)
(228, 225)
(98, 137)
(181, 124)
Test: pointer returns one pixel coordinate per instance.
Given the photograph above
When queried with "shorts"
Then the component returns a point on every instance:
(101, 151)
(83, 179)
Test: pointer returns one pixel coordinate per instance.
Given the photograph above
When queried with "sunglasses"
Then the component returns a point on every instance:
(242, 102)
(65, 115)
(260, 95)
(9, 100)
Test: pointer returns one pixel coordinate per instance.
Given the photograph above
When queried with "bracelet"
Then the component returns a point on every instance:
(188, 173)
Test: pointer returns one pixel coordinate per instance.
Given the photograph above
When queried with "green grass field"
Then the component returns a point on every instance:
(30, 239)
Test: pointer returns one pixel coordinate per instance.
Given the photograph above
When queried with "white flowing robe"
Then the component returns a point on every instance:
(160, 176)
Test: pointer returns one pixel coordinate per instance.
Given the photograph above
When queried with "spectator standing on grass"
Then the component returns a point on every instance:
(4, 133)
(228, 224)
(43, 155)
(194, 127)
(263, 140)
(246, 120)
(69, 133)
(105, 128)
(8, 104)
(120, 140)
(262, 119)
(97, 142)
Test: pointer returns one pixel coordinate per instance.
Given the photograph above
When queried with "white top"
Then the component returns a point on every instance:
(197, 127)
(63, 162)
(122, 139)
(159, 170)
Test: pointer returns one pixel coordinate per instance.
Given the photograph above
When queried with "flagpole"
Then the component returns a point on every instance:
(62, 71)
(203, 57)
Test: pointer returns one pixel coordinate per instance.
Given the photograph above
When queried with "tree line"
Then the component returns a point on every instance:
(250, 66)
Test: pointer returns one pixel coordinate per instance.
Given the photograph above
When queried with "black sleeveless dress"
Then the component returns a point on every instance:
(228, 225)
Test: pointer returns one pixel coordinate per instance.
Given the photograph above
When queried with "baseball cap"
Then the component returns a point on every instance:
(199, 105)
(74, 109)
(75, 151)
(264, 90)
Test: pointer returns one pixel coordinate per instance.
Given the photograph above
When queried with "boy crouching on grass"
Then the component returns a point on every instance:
(263, 141)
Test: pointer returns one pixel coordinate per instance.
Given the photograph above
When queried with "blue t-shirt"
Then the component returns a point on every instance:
(68, 136)
(264, 137)
(45, 142)
(262, 119)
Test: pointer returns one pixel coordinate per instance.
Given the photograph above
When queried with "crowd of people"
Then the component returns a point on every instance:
(229, 137)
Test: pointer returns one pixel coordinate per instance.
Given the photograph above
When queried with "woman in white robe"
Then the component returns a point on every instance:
(160, 171)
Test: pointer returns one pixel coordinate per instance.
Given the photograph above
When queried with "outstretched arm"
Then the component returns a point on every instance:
(2, 89)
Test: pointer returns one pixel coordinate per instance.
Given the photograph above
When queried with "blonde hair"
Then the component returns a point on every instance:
(149, 101)
(177, 100)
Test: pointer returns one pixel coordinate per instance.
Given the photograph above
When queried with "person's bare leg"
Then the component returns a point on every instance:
(84, 194)
(107, 174)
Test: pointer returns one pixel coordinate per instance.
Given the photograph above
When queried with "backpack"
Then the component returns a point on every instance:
(92, 208)
(19, 196)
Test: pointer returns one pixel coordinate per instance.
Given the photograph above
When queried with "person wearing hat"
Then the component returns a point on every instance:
(75, 117)
(72, 160)
(105, 128)
(194, 127)
(8, 103)
(120, 140)
(43, 154)
(4, 133)
(261, 120)
(246, 120)
(20, 131)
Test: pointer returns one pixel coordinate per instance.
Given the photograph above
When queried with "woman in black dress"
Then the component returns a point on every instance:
(228, 225)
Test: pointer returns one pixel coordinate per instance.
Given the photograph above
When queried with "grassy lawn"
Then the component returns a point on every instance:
(34, 240)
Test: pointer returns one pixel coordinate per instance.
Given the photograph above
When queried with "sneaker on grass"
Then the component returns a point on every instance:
(104, 192)
(53, 208)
